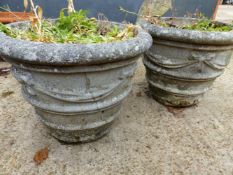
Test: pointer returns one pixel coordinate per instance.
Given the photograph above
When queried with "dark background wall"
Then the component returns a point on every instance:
(111, 7)
(183, 7)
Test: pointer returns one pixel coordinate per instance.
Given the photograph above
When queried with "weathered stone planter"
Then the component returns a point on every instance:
(183, 64)
(76, 89)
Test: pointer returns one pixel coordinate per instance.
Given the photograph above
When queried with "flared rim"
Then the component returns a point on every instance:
(66, 54)
(189, 36)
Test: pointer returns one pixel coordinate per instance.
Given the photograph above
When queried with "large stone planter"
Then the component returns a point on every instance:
(76, 89)
(183, 64)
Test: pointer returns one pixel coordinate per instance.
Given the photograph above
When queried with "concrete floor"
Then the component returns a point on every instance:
(147, 138)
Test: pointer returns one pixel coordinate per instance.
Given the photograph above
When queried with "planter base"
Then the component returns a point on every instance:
(79, 128)
(79, 136)
(174, 100)
(76, 137)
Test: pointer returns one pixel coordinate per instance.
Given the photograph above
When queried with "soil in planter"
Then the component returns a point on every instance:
(73, 28)
(201, 24)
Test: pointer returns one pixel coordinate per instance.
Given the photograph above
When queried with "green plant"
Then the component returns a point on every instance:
(75, 27)
(7, 30)
(208, 25)
(202, 24)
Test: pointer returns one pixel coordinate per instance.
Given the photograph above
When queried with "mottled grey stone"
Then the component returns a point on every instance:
(70, 54)
(183, 64)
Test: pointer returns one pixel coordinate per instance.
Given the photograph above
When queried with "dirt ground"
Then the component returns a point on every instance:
(147, 138)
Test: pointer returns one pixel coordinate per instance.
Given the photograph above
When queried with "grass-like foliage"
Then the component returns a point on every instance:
(7, 30)
(202, 24)
(208, 25)
(75, 27)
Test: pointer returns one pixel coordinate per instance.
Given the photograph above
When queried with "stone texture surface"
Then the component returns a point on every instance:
(77, 102)
(70, 54)
(182, 64)
(188, 36)
(148, 138)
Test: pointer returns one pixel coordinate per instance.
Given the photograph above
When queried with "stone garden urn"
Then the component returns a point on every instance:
(76, 89)
(183, 64)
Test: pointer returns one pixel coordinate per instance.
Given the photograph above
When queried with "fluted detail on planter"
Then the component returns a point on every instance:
(81, 101)
(182, 67)
(180, 76)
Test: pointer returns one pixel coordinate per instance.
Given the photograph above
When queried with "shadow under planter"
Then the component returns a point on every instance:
(76, 89)
(183, 64)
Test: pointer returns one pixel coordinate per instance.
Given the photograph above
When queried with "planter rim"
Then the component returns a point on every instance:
(40, 53)
(189, 36)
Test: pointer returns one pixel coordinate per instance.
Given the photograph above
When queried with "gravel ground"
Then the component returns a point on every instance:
(147, 138)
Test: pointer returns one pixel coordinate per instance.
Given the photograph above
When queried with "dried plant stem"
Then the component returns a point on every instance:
(34, 9)
(70, 6)
(133, 13)
(150, 5)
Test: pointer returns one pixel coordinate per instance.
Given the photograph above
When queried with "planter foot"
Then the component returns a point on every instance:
(79, 127)
(79, 136)
(174, 100)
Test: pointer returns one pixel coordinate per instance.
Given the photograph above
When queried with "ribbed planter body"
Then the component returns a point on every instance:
(182, 64)
(76, 89)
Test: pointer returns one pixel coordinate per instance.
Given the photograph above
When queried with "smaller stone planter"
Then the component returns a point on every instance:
(76, 89)
(183, 64)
